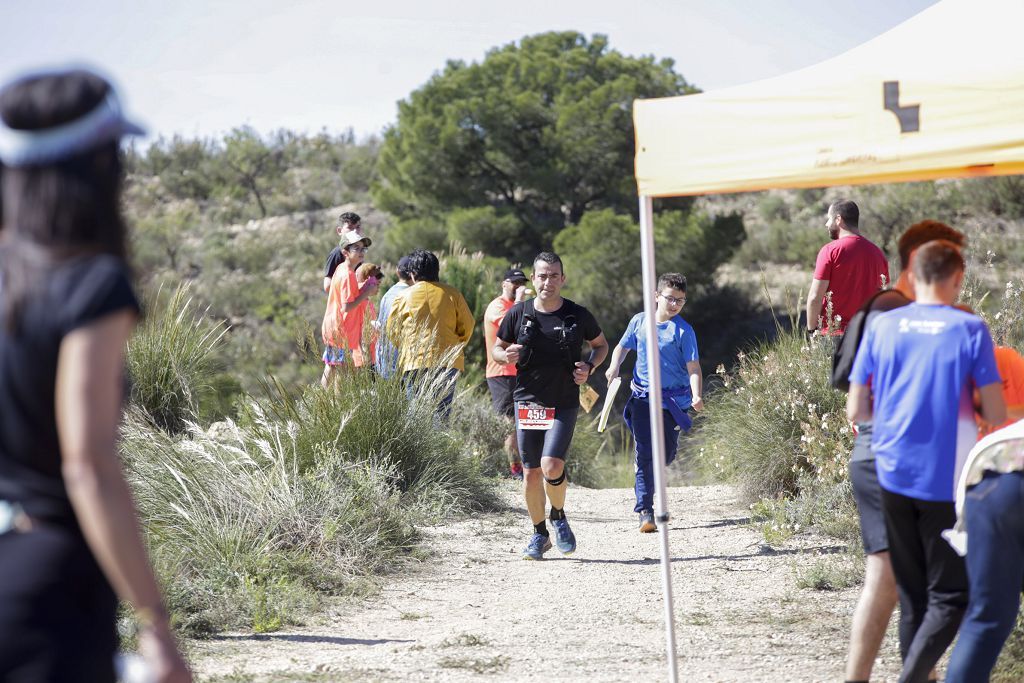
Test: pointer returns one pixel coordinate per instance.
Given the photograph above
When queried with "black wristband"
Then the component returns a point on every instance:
(592, 366)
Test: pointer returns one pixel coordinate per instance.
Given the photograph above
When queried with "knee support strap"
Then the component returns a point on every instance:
(557, 480)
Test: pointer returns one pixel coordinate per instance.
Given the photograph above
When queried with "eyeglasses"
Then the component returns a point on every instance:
(672, 301)
(358, 250)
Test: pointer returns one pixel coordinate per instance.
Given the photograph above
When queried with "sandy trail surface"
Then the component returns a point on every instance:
(475, 610)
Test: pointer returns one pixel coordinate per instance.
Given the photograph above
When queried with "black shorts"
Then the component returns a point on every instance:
(501, 394)
(868, 494)
(535, 444)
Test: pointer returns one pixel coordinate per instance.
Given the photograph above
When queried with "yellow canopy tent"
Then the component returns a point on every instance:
(939, 96)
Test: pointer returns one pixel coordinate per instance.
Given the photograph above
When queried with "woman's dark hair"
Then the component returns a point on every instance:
(55, 211)
(424, 265)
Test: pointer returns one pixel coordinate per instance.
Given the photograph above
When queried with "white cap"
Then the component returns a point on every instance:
(105, 123)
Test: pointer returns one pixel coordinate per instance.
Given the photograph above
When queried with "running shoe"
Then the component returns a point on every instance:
(565, 539)
(647, 525)
(516, 471)
(538, 545)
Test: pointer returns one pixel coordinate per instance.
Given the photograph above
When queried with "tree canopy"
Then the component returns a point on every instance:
(540, 131)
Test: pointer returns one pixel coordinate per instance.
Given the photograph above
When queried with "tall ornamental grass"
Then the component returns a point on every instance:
(370, 419)
(171, 358)
(242, 538)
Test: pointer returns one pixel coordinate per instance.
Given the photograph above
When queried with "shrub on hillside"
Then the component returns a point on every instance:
(241, 537)
(170, 360)
(779, 429)
(370, 420)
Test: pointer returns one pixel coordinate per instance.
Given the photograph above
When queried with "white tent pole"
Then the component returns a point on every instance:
(650, 284)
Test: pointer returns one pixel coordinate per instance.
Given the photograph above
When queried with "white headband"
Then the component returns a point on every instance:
(35, 147)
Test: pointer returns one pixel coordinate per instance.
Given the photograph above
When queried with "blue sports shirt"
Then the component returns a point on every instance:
(677, 345)
(922, 362)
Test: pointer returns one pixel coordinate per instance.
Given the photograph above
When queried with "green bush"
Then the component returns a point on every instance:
(241, 537)
(370, 419)
(779, 430)
(170, 360)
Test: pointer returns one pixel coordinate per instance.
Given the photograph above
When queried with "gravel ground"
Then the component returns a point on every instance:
(475, 610)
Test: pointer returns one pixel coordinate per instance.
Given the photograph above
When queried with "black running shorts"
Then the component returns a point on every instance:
(535, 444)
(868, 494)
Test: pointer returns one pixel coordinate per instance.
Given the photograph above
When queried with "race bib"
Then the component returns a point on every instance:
(534, 416)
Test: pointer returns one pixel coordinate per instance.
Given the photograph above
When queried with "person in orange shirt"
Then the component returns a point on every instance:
(347, 302)
(1011, 369)
(501, 377)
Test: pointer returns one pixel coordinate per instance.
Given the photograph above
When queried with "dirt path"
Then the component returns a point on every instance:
(476, 610)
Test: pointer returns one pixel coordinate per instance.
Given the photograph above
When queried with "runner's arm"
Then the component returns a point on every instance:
(618, 354)
(505, 352)
(814, 298)
(858, 403)
(598, 352)
(696, 384)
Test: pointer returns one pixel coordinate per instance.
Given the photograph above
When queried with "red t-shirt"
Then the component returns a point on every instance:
(854, 268)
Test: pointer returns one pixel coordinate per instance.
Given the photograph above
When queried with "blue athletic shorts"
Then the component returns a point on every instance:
(334, 355)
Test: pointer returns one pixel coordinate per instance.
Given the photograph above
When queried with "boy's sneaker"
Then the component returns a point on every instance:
(538, 545)
(565, 539)
(647, 525)
(516, 471)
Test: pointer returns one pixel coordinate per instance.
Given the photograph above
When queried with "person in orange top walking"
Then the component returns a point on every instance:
(347, 302)
(501, 377)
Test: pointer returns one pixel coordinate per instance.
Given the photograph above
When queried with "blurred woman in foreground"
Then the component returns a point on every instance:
(68, 527)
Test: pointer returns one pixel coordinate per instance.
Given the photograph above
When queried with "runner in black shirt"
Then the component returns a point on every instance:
(544, 337)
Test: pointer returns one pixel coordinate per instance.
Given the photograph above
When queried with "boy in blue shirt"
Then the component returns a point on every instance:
(681, 383)
(921, 362)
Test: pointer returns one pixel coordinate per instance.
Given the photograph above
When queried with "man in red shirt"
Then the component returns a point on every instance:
(849, 269)
(501, 377)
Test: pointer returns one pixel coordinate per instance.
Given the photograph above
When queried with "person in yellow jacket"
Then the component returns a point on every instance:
(430, 323)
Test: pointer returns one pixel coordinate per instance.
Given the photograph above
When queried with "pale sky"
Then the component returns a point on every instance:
(202, 67)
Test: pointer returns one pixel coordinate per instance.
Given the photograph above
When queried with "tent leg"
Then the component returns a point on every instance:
(650, 284)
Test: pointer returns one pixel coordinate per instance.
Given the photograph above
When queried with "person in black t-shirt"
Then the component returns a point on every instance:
(69, 535)
(544, 337)
(347, 222)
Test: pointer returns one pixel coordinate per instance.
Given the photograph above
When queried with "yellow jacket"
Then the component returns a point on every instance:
(430, 324)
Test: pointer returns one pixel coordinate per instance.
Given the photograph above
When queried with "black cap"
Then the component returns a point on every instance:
(515, 275)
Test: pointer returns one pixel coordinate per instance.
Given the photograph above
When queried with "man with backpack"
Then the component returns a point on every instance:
(544, 336)
(878, 596)
(913, 375)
